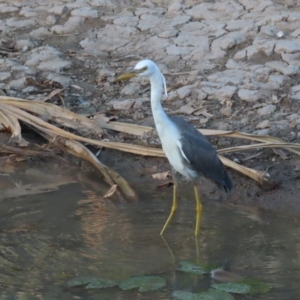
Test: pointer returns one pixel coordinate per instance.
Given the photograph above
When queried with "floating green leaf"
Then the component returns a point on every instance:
(101, 284)
(180, 295)
(189, 267)
(208, 295)
(230, 287)
(143, 283)
(256, 286)
(78, 281)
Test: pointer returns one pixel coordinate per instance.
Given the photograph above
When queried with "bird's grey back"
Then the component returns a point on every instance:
(201, 154)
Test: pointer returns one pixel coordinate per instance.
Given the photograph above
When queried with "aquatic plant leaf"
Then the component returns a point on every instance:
(208, 295)
(230, 287)
(78, 281)
(189, 267)
(101, 284)
(256, 286)
(143, 283)
(180, 295)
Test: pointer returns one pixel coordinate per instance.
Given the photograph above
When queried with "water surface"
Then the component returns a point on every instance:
(69, 231)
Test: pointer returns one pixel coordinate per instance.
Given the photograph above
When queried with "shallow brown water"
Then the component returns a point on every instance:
(48, 238)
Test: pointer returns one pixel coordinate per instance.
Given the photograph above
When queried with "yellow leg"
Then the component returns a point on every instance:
(173, 209)
(198, 211)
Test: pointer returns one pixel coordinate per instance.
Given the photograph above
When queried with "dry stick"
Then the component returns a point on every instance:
(32, 120)
(10, 149)
(138, 130)
(259, 176)
(252, 137)
(48, 128)
(132, 127)
(77, 149)
(26, 117)
(52, 111)
(107, 172)
(287, 146)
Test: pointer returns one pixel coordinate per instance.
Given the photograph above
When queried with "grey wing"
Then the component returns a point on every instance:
(200, 154)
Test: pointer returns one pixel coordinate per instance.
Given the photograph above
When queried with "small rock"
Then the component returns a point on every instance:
(245, 121)
(283, 67)
(70, 26)
(279, 79)
(242, 54)
(296, 96)
(243, 25)
(266, 110)
(209, 90)
(29, 89)
(51, 20)
(40, 33)
(103, 3)
(15, 23)
(198, 94)
(292, 117)
(148, 22)
(11, 93)
(225, 92)
(8, 9)
(287, 46)
(223, 126)
(269, 30)
(24, 45)
(226, 111)
(203, 11)
(289, 57)
(130, 21)
(280, 34)
(122, 105)
(4, 75)
(130, 89)
(295, 88)
(168, 33)
(271, 86)
(263, 124)
(28, 12)
(295, 33)
(17, 84)
(175, 50)
(183, 92)
(174, 6)
(263, 132)
(249, 95)
(22, 68)
(232, 64)
(64, 81)
(140, 102)
(55, 64)
(86, 12)
(172, 96)
(104, 72)
(256, 50)
(58, 9)
(47, 58)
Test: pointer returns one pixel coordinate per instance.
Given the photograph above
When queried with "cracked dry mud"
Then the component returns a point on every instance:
(230, 65)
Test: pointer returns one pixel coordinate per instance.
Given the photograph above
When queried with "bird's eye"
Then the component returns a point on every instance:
(145, 68)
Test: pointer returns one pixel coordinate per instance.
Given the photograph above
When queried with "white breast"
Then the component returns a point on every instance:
(170, 140)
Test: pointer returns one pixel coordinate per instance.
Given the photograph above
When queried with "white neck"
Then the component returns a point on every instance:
(159, 115)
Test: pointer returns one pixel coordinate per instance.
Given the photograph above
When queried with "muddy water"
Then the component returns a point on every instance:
(48, 237)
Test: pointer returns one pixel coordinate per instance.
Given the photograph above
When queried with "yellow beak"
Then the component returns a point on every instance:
(126, 76)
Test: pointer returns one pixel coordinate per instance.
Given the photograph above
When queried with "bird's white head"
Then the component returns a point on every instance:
(145, 68)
